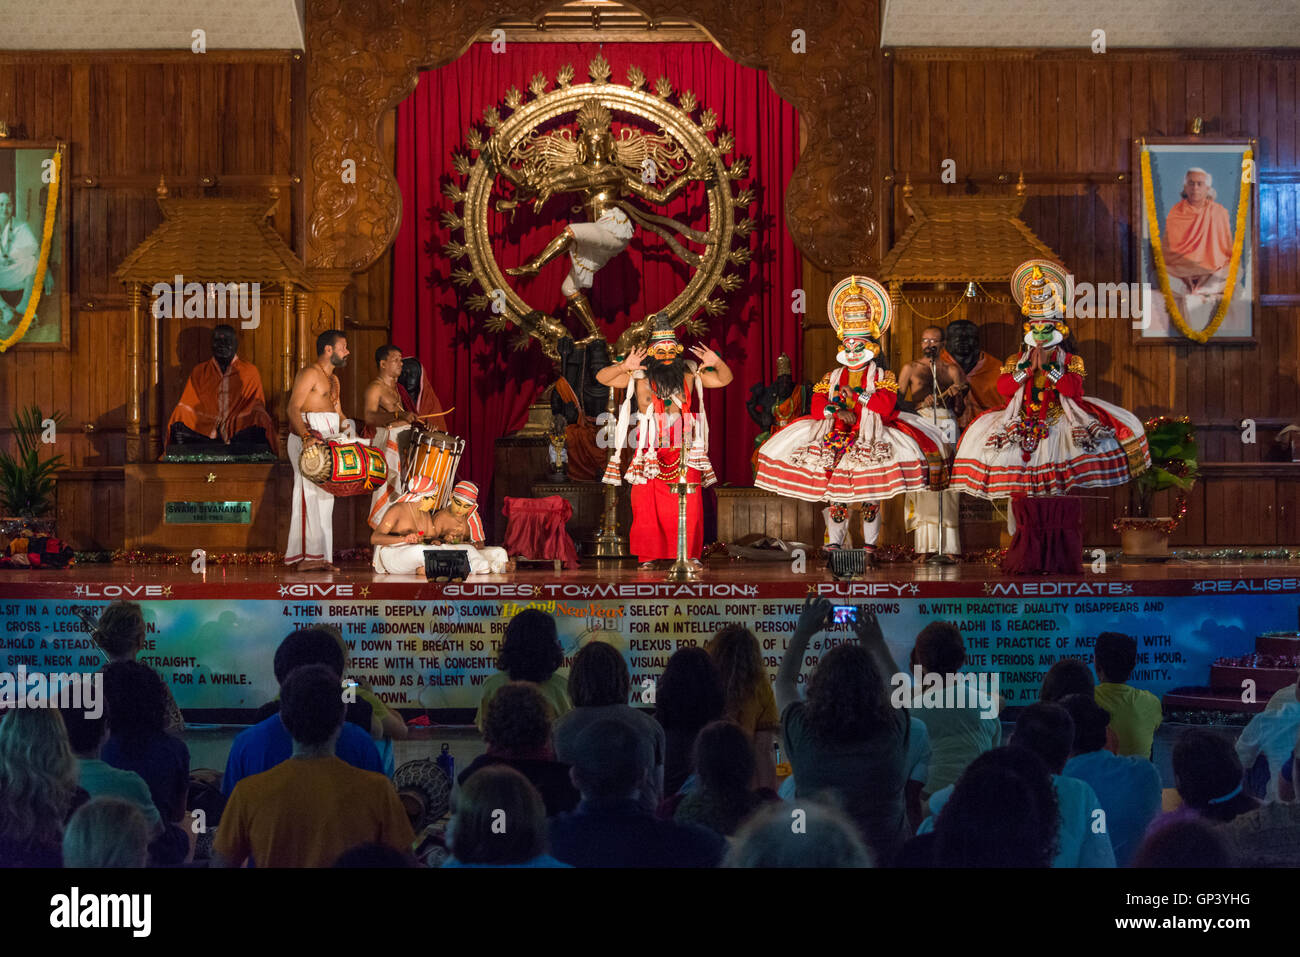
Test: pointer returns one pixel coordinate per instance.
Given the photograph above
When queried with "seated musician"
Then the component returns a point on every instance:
(223, 409)
(407, 531)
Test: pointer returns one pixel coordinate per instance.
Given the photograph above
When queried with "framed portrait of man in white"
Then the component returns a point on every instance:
(34, 310)
(1196, 222)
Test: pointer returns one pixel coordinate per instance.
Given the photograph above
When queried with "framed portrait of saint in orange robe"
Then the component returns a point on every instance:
(1203, 203)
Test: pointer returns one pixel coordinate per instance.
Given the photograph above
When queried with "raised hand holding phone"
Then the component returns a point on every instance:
(813, 617)
(868, 627)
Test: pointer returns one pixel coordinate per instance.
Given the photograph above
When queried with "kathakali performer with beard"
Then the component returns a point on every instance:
(669, 394)
(1051, 438)
(855, 446)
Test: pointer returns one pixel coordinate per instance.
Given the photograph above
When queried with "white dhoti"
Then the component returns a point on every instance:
(386, 440)
(923, 521)
(922, 508)
(409, 559)
(311, 529)
(595, 244)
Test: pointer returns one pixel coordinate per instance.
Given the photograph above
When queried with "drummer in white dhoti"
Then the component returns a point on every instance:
(388, 427)
(408, 530)
(315, 415)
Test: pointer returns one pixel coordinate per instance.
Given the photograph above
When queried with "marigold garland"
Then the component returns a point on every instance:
(1157, 251)
(47, 231)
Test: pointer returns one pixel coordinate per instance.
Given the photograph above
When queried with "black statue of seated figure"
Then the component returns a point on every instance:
(222, 412)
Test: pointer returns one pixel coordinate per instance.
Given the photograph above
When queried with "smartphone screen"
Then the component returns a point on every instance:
(844, 614)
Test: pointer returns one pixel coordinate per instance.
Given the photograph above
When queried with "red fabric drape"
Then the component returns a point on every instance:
(491, 386)
(1049, 536)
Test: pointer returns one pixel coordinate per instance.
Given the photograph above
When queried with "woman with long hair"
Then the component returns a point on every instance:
(530, 651)
(748, 693)
(38, 787)
(600, 685)
(847, 739)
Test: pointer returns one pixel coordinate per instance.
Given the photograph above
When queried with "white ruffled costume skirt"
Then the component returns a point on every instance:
(879, 463)
(1078, 450)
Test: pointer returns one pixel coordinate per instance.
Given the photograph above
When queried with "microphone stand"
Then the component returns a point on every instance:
(941, 557)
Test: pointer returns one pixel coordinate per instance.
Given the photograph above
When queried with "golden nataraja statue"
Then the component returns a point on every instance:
(609, 173)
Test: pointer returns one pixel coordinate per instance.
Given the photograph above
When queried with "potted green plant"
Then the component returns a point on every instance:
(1172, 442)
(26, 479)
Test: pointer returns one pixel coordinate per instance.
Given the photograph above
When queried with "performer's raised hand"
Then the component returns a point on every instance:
(706, 355)
(634, 360)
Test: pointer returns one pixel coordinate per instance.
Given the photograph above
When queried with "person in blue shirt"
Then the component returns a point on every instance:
(1128, 787)
(268, 743)
(610, 828)
(1082, 841)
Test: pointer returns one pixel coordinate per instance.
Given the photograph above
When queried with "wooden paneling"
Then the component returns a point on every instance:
(149, 487)
(89, 508)
(129, 119)
(1067, 121)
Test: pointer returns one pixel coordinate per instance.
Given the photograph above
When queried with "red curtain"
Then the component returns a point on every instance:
(473, 370)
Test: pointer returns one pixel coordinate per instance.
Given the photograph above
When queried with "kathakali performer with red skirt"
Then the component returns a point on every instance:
(672, 440)
(854, 446)
(1051, 438)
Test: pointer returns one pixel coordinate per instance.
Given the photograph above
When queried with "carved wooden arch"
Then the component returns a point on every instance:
(364, 57)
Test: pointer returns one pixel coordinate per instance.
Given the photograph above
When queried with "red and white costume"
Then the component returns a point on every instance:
(657, 462)
(1051, 438)
(880, 453)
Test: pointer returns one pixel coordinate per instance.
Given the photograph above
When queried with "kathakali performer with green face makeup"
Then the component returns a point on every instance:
(1050, 439)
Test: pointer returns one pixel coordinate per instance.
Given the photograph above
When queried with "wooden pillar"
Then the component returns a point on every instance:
(133, 398)
(153, 407)
(324, 309)
(290, 334)
(896, 300)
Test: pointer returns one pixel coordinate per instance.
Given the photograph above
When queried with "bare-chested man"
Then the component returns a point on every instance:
(388, 426)
(668, 391)
(916, 384)
(408, 530)
(315, 416)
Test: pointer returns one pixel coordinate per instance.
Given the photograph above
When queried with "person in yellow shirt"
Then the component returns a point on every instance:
(1134, 714)
(530, 651)
(309, 810)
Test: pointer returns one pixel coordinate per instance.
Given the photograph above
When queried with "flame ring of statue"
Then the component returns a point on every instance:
(540, 165)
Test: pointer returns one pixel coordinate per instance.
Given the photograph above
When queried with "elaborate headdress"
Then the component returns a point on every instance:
(1040, 287)
(783, 365)
(594, 115)
(859, 306)
(663, 335)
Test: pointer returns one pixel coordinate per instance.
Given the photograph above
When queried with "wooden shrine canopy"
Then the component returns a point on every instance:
(206, 241)
(962, 239)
